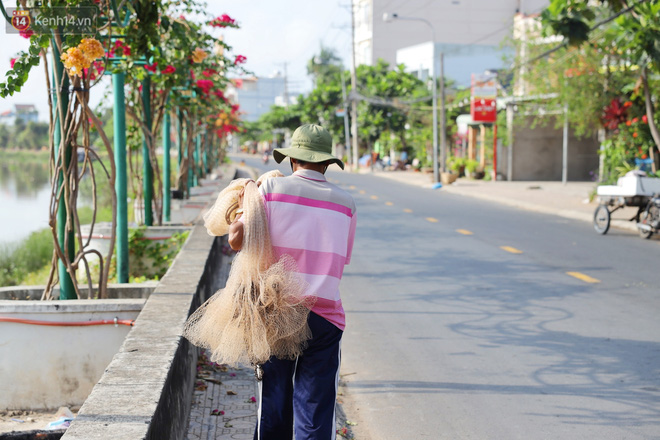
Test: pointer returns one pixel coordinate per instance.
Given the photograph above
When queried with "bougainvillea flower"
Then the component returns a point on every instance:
(205, 85)
(634, 121)
(208, 72)
(234, 108)
(151, 67)
(12, 62)
(628, 123)
(27, 33)
(199, 55)
(169, 69)
(238, 83)
(614, 114)
(223, 21)
(627, 104)
(91, 48)
(240, 59)
(645, 119)
(635, 134)
(75, 61)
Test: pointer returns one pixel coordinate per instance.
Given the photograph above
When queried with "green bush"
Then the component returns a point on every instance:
(30, 255)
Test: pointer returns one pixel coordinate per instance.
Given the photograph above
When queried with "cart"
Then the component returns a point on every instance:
(631, 190)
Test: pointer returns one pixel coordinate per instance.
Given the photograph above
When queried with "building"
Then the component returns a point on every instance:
(468, 32)
(256, 95)
(25, 112)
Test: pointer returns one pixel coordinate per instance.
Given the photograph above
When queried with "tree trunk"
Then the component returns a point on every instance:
(651, 120)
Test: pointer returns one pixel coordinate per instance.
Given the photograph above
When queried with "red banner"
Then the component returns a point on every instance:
(483, 110)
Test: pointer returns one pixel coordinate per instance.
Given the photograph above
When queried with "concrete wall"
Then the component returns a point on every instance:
(115, 291)
(537, 154)
(45, 367)
(146, 391)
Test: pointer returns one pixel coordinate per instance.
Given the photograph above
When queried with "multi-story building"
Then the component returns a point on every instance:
(256, 95)
(468, 32)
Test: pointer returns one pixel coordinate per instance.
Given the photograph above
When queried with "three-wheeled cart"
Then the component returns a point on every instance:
(631, 190)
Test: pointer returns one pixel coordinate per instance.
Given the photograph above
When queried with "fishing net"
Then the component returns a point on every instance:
(263, 309)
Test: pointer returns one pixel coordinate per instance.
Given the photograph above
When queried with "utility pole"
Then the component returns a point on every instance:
(354, 103)
(286, 88)
(347, 143)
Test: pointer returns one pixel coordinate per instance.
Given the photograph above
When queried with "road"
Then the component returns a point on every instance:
(471, 320)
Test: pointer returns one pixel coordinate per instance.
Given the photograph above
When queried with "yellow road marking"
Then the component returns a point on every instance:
(432, 220)
(389, 203)
(583, 277)
(511, 249)
(362, 191)
(407, 210)
(351, 187)
(374, 197)
(464, 231)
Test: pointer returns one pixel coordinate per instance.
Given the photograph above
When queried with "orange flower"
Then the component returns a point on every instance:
(91, 48)
(635, 134)
(198, 55)
(75, 61)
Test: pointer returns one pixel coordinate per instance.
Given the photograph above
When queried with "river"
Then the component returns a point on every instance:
(24, 196)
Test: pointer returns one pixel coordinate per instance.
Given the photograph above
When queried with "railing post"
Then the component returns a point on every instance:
(119, 120)
(148, 174)
(166, 166)
(65, 238)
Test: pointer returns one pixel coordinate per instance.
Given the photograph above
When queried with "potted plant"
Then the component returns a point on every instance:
(471, 166)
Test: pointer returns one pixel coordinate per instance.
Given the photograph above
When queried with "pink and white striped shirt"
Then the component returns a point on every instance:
(313, 221)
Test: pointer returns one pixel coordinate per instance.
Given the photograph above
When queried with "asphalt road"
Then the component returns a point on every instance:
(471, 320)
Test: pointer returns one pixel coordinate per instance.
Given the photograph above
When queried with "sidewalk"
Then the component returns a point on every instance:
(554, 198)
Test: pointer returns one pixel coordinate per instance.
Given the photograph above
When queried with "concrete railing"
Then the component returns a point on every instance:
(146, 390)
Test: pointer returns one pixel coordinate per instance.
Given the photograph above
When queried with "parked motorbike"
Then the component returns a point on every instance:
(649, 219)
(265, 158)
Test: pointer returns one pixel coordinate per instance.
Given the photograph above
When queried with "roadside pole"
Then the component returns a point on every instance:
(119, 123)
(65, 237)
(147, 170)
(167, 144)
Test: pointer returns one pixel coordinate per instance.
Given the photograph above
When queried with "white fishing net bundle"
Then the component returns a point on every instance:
(262, 311)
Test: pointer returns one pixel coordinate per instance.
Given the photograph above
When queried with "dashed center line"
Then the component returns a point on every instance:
(389, 203)
(432, 220)
(351, 187)
(362, 191)
(511, 249)
(374, 197)
(464, 231)
(407, 210)
(583, 277)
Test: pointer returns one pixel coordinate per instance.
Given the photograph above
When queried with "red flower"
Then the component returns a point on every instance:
(223, 21)
(27, 33)
(238, 83)
(151, 67)
(613, 115)
(234, 108)
(635, 134)
(205, 85)
(628, 123)
(169, 69)
(645, 156)
(240, 59)
(635, 120)
(645, 119)
(208, 72)
(627, 104)
(120, 49)
(12, 62)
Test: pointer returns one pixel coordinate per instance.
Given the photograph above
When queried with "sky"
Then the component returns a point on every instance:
(271, 33)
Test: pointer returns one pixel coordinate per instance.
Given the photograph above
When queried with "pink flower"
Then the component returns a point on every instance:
(253, 399)
(238, 83)
(27, 33)
(208, 72)
(223, 21)
(240, 59)
(205, 85)
(645, 119)
(169, 69)
(12, 62)
(151, 67)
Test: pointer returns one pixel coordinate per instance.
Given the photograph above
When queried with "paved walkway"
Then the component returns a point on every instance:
(570, 200)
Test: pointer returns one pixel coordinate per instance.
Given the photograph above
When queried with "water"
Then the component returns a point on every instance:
(24, 197)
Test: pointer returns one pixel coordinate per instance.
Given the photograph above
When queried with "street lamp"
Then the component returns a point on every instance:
(388, 18)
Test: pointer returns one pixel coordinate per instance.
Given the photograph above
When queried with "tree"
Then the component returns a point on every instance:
(628, 31)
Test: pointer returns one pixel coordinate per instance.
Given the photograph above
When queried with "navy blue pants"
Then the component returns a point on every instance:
(303, 390)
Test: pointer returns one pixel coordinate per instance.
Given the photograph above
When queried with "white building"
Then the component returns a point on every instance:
(256, 95)
(467, 32)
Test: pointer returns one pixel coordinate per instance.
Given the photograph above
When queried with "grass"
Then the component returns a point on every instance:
(30, 255)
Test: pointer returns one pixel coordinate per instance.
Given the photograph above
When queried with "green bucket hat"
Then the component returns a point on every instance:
(310, 143)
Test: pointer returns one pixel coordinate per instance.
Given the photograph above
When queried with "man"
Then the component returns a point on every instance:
(313, 221)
